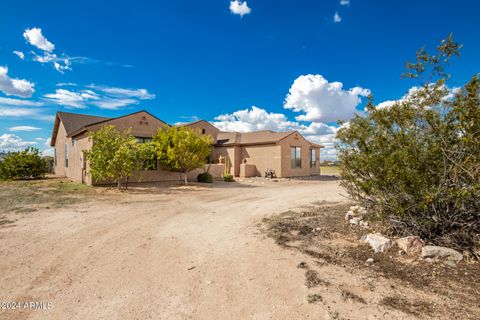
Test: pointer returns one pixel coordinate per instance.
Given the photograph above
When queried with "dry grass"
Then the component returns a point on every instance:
(330, 170)
(32, 195)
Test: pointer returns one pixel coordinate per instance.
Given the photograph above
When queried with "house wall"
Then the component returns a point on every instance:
(140, 124)
(216, 170)
(296, 140)
(233, 153)
(60, 169)
(263, 157)
(209, 129)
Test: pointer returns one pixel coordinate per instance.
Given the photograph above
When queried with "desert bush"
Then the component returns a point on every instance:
(26, 164)
(205, 177)
(416, 164)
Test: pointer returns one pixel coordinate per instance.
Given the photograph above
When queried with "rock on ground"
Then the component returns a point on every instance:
(437, 252)
(411, 245)
(378, 242)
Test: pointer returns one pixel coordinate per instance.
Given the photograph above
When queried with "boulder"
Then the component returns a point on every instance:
(441, 253)
(378, 242)
(411, 245)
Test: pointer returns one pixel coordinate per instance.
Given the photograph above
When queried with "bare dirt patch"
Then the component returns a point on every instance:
(410, 285)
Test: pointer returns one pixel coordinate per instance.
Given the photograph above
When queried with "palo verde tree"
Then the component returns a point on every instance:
(416, 163)
(180, 149)
(115, 155)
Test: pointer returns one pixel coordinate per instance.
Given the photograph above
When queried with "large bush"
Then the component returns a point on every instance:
(416, 163)
(26, 164)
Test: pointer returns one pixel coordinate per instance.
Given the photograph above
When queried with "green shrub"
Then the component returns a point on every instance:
(416, 164)
(228, 178)
(26, 164)
(205, 177)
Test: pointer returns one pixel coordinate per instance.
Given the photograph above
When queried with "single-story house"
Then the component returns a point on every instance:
(250, 154)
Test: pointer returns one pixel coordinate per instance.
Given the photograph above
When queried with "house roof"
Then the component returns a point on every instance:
(73, 122)
(257, 137)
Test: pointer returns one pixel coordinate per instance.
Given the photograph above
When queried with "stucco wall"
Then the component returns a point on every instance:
(248, 170)
(60, 151)
(296, 140)
(209, 129)
(233, 154)
(216, 170)
(141, 124)
(263, 157)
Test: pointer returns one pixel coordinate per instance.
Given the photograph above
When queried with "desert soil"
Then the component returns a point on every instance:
(167, 252)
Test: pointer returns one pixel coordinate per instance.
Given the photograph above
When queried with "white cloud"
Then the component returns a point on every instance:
(70, 99)
(336, 17)
(111, 98)
(142, 94)
(15, 87)
(61, 64)
(35, 37)
(253, 119)
(323, 101)
(239, 7)
(114, 104)
(24, 128)
(344, 2)
(19, 54)
(19, 102)
(17, 112)
(66, 84)
(11, 142)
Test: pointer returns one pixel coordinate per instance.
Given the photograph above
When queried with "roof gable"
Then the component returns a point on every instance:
(72, 122)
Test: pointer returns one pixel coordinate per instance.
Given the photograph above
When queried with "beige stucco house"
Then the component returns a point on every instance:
(250, 154)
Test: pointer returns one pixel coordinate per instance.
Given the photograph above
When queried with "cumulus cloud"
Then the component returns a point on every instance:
(11, 142)
(336, 17)
(66, 84)
(253, 119)
(239, 7)
(24, 128)
(19, 54)
(323, 101)
(344, 2)
(111, 98)
(35, 37)
(15, 87)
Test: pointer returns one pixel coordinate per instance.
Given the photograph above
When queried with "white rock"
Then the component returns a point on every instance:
(370, 261)
(355, 220)
(437, 252)
(378, 242)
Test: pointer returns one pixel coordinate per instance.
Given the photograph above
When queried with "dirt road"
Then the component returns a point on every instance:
(193, 253)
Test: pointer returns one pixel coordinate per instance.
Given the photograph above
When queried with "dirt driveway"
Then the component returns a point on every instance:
(193, 253)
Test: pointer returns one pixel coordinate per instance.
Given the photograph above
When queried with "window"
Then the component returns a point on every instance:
(143, 139)
(54, 156)
(203, 131)
(296, 157)
(313, 158)
(66, 155)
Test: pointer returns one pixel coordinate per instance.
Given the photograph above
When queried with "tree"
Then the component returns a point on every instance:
(181, 149)
(416, 164)
(26, 164)
(114, 155)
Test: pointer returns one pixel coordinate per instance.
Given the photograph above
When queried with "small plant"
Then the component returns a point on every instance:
(205, 177)
(228, 178)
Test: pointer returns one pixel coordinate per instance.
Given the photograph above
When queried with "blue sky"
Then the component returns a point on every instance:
(255, 65)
